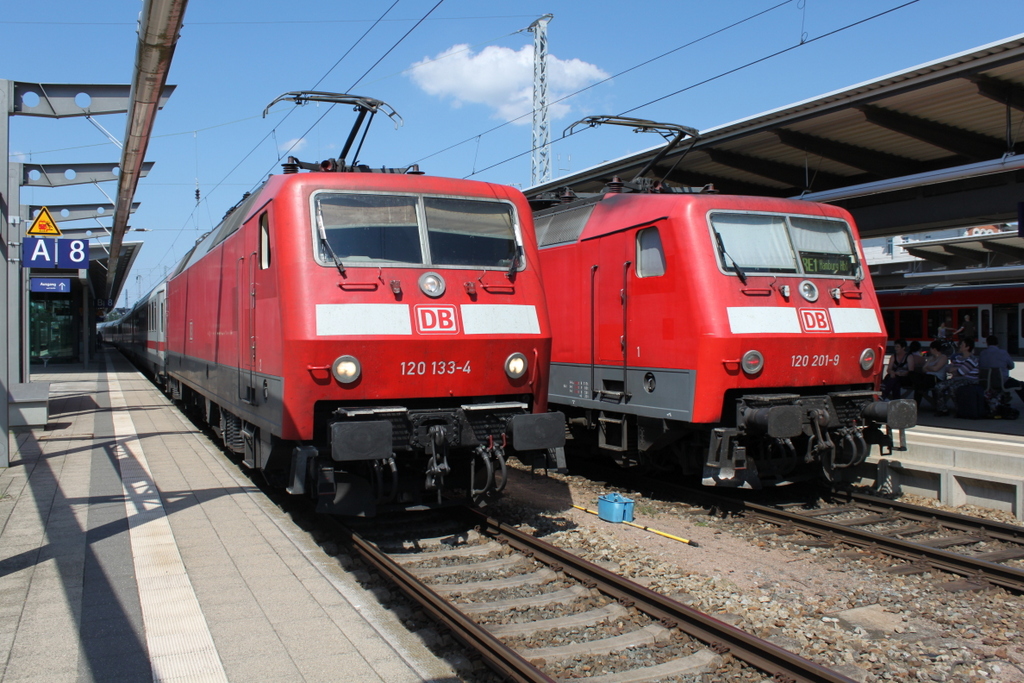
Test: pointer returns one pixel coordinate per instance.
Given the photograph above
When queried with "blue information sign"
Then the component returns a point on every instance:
(51, 284)
(39, 252)
(47, 252)
(72, 253)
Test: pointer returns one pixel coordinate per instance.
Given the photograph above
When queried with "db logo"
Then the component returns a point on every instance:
(814, 320)
(436, 319)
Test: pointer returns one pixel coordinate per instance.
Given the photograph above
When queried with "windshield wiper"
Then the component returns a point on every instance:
(516, 259)
(725, 255)
(323, 240)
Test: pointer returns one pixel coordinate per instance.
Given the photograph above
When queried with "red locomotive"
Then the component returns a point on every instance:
(370, 337)
(735, 337)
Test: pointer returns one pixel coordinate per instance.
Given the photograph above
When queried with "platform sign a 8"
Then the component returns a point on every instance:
(47, 252)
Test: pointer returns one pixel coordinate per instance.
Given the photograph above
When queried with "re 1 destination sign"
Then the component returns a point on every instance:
(815, 263)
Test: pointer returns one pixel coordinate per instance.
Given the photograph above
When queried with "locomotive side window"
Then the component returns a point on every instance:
(463, 232)
(650, 257)
(264, 241)
(370, 227)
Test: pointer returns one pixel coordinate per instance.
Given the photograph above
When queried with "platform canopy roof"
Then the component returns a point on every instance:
(935, 146)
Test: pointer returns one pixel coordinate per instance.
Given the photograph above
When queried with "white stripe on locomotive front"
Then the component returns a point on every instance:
(395, 320)
(499, 319)
(784, 320)
(362, 319)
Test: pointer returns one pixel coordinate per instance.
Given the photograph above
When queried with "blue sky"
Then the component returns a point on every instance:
(458, 73)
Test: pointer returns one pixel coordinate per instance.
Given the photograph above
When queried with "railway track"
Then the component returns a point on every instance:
(982, 552)
(535, 612)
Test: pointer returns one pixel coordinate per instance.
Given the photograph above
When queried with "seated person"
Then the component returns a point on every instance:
(932, 372)
(994, 357)
(964, 370)
(917, 359)
(897, 374)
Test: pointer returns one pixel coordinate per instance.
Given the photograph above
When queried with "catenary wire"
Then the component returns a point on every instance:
(392, 48)
(613, 76)
(354, 84)
(717, 77)
(271, 133)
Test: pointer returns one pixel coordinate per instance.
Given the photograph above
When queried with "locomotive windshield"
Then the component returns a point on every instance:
(414, 230)
(781, 244)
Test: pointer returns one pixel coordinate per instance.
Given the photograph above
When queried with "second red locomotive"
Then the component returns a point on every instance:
(738, 338)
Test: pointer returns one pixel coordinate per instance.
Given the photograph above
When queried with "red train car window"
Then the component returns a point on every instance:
(937, 316)
(911, 325)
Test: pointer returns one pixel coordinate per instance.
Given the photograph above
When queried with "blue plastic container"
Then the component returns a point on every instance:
(615, 508)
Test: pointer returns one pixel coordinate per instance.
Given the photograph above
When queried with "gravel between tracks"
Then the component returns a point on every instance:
(834, 607)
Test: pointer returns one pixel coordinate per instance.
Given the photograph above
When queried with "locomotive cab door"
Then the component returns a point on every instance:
(246, 276)
(610, 294)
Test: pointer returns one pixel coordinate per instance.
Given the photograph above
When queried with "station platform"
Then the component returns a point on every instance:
(133, 549)
(958, 461)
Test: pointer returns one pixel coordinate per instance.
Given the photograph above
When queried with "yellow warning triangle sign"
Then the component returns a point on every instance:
(44, 225)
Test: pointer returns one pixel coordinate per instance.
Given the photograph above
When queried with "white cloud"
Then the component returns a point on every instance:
(293, 146)
(501, 79)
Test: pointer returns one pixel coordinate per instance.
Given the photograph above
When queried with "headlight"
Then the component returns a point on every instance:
(515, 365)
(867, 359)
(752, 362)
(432, 285)
(809, 290)
(346, 369)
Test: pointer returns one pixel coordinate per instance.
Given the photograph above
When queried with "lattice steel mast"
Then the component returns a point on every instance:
(541, 132)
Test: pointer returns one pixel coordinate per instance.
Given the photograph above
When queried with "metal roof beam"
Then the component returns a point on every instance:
(971, 146)
(969, 254)
(58, 175)
(159, 25)
(927, 255)
(796, 176)
(880, 164)
(77, 212)
(1003, 92)
(1005, 249)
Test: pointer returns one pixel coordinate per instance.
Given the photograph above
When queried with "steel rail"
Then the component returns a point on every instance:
(951, 520)
(499, 656)
(944, 560)
(721, 637)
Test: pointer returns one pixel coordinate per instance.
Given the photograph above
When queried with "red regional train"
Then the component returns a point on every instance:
(915, 313)
(372, 338)
(733, 337)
